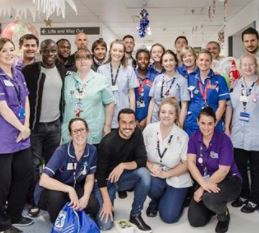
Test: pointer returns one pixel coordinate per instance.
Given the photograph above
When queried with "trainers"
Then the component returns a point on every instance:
(249, 207)
(139, 223)
(122, 194)
(223, 222)
(151, 211)
(33, 212)
(238, 202)
(24, 221)
(12, 229)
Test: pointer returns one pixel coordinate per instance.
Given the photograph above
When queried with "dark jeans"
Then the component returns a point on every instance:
(139, 180)
(53, 202)
(15, 178)
(44, 141)
(167, 199)
(200, 213)
(242, 158)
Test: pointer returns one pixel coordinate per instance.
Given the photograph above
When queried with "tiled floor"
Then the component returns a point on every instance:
(240, 223)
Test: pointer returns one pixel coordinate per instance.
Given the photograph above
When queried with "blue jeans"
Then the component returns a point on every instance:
(167, 199)
(138, 180)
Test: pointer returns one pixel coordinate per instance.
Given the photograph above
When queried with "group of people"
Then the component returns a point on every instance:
(79, 128)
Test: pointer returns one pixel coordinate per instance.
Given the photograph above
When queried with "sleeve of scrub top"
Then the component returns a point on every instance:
(107, 95)
(153, 87)
(184, 93)
(93, 160)
(56, 161)
(226, 156)
(2, 91)
(132, 78)
(223, 89)
(192, 149)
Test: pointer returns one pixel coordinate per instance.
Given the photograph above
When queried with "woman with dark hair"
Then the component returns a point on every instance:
(166, 146)
(169, 83)
(15, 153)
(87, 95)
(211, 164)
(69, 174)
(122, 78)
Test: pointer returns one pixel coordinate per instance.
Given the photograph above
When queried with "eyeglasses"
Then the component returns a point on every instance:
(76, 131)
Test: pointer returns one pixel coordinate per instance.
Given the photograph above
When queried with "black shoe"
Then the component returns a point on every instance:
(151, 211)
(34, 211)
(238, 202)
(223, 222)
(12, 229)
(24, 221)
(122, 194)
(139, 223)
(249, 207)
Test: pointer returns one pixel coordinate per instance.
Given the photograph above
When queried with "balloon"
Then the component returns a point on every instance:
(17, 29)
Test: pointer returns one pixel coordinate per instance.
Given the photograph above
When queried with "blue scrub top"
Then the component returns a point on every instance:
(217, 90)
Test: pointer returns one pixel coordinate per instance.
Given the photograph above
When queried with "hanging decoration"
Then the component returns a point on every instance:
(18, 9)
(48, 22)
(143, 28)
(212, 10)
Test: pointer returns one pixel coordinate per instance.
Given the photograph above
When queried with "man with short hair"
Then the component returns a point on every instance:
(64, 51)
(81, 42)
(179, 43)
(99, 51)
(129, 43)
(250, 39)
(214, 48)
(121, 166)
(28, 45)
(45, 84)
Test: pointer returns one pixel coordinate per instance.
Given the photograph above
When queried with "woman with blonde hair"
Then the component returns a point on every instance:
(166, 145)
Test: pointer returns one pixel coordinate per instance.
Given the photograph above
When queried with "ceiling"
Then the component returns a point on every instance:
(168, 18)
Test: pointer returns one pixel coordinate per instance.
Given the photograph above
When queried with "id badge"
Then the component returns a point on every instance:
(206, 177)
(244, 116)
(243, 98)
(140, 104)
(21, 113)
(115, 88)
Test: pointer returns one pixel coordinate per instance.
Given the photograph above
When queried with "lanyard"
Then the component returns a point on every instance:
(202, 162)
(161, 155)
(17, 91)
(246, 92)
(204, 91)
(114, 79)
(162, 95)
(142, 83)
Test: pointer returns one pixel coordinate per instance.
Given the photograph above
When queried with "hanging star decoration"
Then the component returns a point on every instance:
(48, 22)
(143, 24)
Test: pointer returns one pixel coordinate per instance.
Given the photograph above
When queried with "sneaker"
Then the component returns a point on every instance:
(223, 222)
(122, 194)
(151, 211)
(24, 221)
(33, 212)
(238, 202)
(139, 223)
(12, 229)
(249, 207)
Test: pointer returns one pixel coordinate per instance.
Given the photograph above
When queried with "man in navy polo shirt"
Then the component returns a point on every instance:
(69, 175)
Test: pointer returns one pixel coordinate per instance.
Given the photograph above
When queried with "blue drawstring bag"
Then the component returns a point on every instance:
(71, 221)
(67, 221)
(87, 225)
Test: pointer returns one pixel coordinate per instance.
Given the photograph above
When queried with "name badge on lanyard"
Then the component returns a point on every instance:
(244, 116)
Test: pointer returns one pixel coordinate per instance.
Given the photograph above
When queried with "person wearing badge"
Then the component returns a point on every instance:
(212, 166)
(206, 89)
(166, 146)
(69, 174)
(145, 83)
(15, 152)
(169, 83)
(244, 132)
(87, 95)
(122, 78)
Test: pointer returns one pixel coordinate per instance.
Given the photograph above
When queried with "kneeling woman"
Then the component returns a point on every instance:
(166, 146)
(69, 175)
(211, 163)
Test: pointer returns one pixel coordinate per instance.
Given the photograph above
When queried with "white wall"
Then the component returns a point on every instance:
(237, 23)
